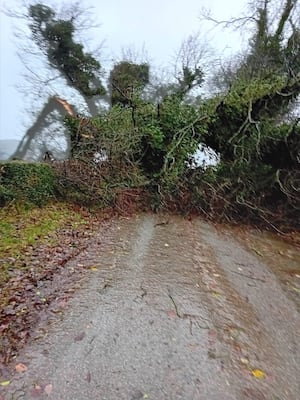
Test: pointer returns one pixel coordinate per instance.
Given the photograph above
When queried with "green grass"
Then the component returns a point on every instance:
(21, 228)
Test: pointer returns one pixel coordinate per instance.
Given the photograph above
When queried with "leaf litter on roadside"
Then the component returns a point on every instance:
(30, 292)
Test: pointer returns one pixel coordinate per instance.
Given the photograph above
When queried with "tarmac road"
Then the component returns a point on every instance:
(171, 309)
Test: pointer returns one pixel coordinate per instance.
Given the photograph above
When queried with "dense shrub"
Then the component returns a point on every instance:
(242, 192)
(87, 183)
(30, 183)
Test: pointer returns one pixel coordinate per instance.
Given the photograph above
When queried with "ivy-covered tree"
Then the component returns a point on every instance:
(56, 39)
(251, 124)
(264, 87)
(275, 49)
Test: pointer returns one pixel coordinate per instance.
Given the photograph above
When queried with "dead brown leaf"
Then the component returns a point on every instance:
(171, 313)
(88, 377)
(48, 389)
(20, 367)
(79, 337)
(36, 391)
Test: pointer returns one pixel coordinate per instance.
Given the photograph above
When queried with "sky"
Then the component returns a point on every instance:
(158, 26)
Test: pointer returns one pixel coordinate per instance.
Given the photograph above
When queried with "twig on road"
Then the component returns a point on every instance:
(248, 276)
(175, 305)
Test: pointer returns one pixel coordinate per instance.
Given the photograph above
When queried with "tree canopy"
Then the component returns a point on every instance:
(125, 80)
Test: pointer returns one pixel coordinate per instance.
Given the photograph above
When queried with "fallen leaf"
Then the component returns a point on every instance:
(211, 354)
(259, 374)
(55, 311)
(88, 377)
(146, 396)
(236, 346)
(48, 389)
(245, 361)
(171, 313)
(296, 289)
(193, 346)
(36, 391)
(4, 383)
(79, 337)
(20, 367)
(94, 269)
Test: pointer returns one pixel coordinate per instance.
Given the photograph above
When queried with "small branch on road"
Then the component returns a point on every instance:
(248, 276)
(175, 305)
(144, 292)
(162, 223)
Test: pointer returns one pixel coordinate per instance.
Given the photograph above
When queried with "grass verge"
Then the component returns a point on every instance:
(21, 228)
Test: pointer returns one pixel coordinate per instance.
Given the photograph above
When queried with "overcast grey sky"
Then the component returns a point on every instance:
(158, 25)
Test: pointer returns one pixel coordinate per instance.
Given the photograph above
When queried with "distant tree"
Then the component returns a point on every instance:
(190, 61)
(126, 78)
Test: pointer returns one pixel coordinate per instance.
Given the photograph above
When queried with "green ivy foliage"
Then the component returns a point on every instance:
(29, 183)
(56, 39)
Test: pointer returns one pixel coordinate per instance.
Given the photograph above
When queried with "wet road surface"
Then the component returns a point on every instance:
(172, 309)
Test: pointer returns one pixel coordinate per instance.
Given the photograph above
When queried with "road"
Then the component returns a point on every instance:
(170, 309)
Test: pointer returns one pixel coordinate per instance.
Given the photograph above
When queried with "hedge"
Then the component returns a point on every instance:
(23, 182)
